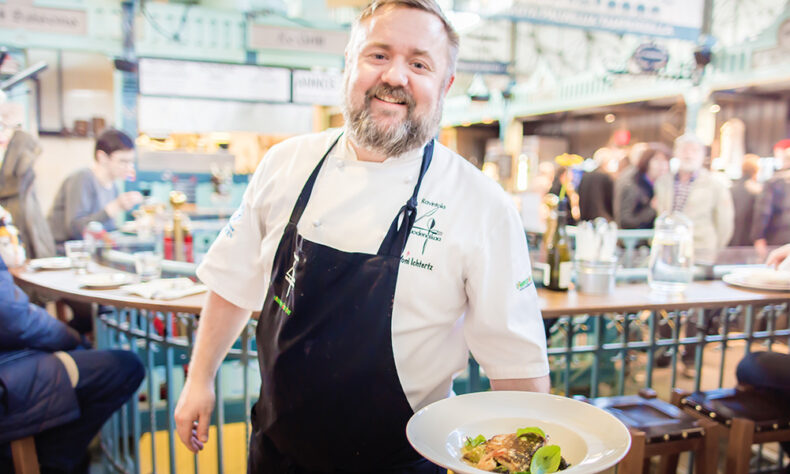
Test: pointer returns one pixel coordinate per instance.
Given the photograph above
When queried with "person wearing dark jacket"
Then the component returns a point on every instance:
(51, 387)
(596, 189)
(637, 208)
(771, 221)
(744, 197)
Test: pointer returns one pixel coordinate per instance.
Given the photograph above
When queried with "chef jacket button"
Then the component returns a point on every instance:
(341, 164)
(316, 223)
(407, 180)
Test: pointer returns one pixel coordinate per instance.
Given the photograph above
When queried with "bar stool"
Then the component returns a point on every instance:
(661, 429)
(23, 452)
(748, 416)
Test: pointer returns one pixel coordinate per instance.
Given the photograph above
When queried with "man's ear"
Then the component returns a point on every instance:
(101, 156)
(449, 84)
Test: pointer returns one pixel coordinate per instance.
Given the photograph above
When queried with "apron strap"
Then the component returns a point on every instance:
(395, 241)
(307, 190)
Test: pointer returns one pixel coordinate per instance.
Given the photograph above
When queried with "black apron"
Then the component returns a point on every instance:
(331, 399)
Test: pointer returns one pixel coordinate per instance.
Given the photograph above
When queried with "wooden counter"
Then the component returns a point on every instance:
(636, 297)
(625, 298)
(63, 284)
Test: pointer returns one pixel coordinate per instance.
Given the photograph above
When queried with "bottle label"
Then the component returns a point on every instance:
(564, 280)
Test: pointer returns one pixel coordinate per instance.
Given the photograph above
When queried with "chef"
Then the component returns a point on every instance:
(378, 259)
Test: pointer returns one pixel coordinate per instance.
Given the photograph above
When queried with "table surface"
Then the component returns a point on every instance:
(625, 298)
(63, 284)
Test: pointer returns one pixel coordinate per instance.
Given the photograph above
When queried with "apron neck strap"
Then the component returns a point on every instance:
(307, 190)
(399, 231)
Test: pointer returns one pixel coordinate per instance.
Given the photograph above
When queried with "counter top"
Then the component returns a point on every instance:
(625, 298)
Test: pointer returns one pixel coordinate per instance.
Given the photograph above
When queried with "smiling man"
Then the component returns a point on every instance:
(378, 259)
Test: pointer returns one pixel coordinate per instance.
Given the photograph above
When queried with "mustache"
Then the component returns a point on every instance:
(398, 93)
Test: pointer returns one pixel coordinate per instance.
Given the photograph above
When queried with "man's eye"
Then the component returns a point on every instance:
(378, 56)
(419, 65)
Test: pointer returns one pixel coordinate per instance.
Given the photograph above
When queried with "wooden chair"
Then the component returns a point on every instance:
(23, 451)
(747, 416)
(661, 429)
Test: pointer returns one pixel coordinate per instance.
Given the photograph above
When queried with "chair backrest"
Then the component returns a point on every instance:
(24, 453)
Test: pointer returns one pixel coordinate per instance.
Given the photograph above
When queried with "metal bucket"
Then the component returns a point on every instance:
(595, 278)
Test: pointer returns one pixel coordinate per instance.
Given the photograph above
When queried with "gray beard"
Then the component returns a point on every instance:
(390, 141)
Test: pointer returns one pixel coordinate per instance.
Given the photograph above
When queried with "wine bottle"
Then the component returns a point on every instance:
(558, 254)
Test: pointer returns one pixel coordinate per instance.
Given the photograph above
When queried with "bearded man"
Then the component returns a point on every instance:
(378, 259)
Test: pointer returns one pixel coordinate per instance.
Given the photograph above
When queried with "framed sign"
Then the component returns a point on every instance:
(173, 78)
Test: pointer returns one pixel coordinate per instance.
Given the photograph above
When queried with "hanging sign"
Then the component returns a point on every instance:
(317, 88)
(21, 14)
(173, 78)
(650, 58)
(297, 39)
(660, 18)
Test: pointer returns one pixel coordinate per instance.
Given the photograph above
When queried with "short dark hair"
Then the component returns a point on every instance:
(112, 140)
(652, 151)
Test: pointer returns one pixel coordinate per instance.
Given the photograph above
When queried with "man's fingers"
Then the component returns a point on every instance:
(184, 430)
(202, 426)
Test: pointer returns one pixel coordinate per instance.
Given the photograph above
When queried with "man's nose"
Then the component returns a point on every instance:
(395, 74)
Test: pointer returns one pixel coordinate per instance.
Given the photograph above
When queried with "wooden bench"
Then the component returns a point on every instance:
(659, 428)
(747, 417)
(23, 451)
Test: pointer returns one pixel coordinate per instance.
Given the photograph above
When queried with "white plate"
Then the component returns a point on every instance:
(128, 227)
(760, 279)
(50, 263)
(590, 439)
(104, 280)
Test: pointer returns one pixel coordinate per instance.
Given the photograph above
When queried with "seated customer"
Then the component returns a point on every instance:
(52, 388)
(90, 194)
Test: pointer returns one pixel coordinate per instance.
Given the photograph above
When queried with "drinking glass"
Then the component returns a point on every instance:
(671, 265)
(79, 252)
(148, 265)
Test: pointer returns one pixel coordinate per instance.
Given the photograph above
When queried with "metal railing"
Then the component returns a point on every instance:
(590, 354)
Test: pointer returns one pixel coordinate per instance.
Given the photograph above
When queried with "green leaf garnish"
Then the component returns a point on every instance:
(545, 460)
(477, 441)
(532, 429)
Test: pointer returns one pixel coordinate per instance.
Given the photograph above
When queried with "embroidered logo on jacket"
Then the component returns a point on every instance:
(425, 225)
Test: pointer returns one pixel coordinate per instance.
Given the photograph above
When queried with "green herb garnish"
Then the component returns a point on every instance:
(477, 441)
(532, 429)
(545, 460)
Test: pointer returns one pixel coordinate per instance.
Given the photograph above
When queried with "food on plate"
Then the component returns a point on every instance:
(524, 452)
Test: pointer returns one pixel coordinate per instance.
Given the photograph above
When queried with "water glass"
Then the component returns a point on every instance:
(671, 265)
(148, 265)
(80, 253)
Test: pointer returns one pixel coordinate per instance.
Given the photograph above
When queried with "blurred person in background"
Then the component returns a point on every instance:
(771, 222)
(91, 194)
(700, 195)
(637, 203)
(626, 176)
(18, 153)
(744, 196)
(544, 179)
(564, 177)
(596, 189)
(51, 386)
(704, 198)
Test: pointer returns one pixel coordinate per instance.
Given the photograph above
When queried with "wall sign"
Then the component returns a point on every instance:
(661, 18)
(650, 58)
(296, 39)
(172, 78)
(317, 88)
(23, 15)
